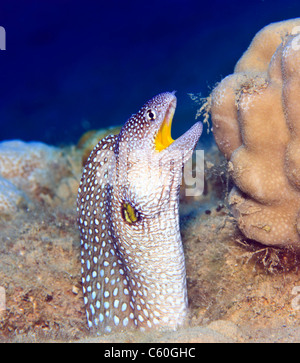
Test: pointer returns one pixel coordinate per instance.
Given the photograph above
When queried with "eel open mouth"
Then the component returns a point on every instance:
(163, 138)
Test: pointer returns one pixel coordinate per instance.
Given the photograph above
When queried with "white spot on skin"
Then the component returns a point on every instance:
(92, 309)
(125, 322)
(116, 320)
(115, 292)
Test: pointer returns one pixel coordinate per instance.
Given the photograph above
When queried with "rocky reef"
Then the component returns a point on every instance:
(235, 288)
(255, 114)
(33, 172)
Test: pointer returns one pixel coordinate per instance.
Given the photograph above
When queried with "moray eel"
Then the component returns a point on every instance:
(133, 268)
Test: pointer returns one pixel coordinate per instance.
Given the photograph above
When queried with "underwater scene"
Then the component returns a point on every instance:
(150, 171)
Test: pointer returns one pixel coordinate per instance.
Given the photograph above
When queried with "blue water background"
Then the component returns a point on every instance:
(70, 66)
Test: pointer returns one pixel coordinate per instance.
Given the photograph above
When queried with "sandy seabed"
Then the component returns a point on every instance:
(239, 290)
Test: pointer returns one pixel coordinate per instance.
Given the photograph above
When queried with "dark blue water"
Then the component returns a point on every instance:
(74, 65)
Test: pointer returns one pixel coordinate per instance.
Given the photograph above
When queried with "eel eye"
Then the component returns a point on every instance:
(151, 115)
(129, 214)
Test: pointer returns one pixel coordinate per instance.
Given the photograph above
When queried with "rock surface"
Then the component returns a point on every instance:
(239, 291)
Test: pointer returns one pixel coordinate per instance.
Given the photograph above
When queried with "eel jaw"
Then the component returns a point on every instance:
(184, 145)
(163, 138)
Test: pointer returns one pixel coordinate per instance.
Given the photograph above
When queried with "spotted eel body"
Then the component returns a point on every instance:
(133, 268)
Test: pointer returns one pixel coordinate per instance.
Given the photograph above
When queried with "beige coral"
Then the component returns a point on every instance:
(256, 124)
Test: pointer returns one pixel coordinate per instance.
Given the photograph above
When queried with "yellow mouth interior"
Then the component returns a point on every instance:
(163, 138)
